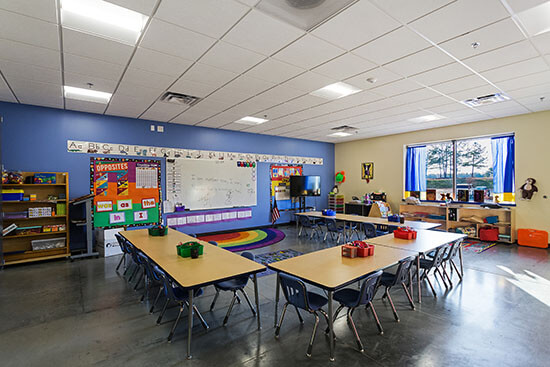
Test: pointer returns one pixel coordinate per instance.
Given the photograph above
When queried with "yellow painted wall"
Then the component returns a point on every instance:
(532, 133)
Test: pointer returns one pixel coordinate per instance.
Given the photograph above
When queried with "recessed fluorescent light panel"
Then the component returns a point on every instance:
(426, 118)
(103, 19)
(87, 95)
(339, 134)
(536, 20)
(335, 91)
(249, 120)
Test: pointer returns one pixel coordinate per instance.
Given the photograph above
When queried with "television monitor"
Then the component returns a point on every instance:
(305, 186)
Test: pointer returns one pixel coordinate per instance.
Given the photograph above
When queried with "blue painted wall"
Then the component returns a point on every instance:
(35, 139)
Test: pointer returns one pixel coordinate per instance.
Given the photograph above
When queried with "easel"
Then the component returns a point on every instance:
(87, 201)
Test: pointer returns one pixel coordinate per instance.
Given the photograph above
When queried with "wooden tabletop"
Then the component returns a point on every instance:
(373, 220)
(425, 241)
(328, 269)
(216, 264)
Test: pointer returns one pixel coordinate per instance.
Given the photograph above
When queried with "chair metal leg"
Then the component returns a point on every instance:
(408, 295)
(230, 308)
(447, 275)
(278, 329)
(248, 301)
(431, 286)
(456, 268)
(139, 281)
(156, 299)
(163, 311)
(325, 238)
(300, 231)
(335, 316)
(350, 318)
(376, 318)
(299, 316)
(119, 263)
(310, 347)
(126, 270)
(199, 315)
(175, 324)
(441, 276)
(392, 306)
(133, 273)
(215, 299)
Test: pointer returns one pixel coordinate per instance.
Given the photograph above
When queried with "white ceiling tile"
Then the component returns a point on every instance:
(473, 92)
(520, 5)
(397, 87)
(193, 116)
(456, 85)
(192, 88)
(92, 67)
(430, 58)
(159, 62)
(232, 58)
(406, 10)
(81, 81)
(356, 25)
(458, 18)
(434, 102)
(84, 106)
(261, 33)
(274, 71)
(83, 44)
(380, 75)
(36, 93)
(309, 81)
(28, 30)
(345, 66)
(5, 93)
(442, 74)
(392, 46)
(279, 94)
(522, 68)
(308, 52)
(41, 9)
(525, 81)
(27, 54)
(535, 104)
(174, 40)
(252, 106)
(502, 56)
(489, 38)
(121, 105)
(417, 95)
(148, 78)
(250, 3)
(210, 17)
(162, 111)
(141, 6)
(498, 106)
(235, 127)
(249, 85)
(32, 72)
(542, 42)
(138, 92)
(206, 74)
(536, 91)
(220, 120)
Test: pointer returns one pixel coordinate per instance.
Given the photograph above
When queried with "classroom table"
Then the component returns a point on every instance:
(425, 242)
(215, 265)
(327, 269)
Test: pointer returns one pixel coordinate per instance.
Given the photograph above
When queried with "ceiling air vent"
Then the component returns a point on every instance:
(342, 131)
(486, 100)
(179, 98)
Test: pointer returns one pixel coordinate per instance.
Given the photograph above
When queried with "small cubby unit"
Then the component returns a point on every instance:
(44, 234)
(461, 216)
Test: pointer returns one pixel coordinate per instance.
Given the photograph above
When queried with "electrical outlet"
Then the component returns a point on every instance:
(152, 127)
(160, 128)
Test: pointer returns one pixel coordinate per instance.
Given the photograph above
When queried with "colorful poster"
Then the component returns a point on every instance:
(114, 181)
(280, 180)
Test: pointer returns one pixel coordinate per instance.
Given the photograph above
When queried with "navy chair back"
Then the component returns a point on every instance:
(368, 289)
(147, 265)
(332, 226)
(243, 279)
(453, 250)
(294, 291)
(305, 221)
(122, 243)
(439, 255)
(369, 229)
(403, 270)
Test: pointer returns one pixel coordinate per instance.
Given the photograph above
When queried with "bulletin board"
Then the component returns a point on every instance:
(280, 180)
(126, 191)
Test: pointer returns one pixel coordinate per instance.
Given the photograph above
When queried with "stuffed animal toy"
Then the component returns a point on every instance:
(528, 189)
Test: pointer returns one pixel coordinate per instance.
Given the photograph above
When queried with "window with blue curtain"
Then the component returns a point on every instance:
(415, 170)
(503, 151)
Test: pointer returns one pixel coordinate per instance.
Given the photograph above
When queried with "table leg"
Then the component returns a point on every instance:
(189, 323)
(418, 278)
(331, 325)
(256, 295)
(276, 300)
(461, 261)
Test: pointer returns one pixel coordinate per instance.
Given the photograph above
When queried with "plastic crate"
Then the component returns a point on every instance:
(48, 244)
(404, 234)
(12, 195)
(184, 250)
(532, 238)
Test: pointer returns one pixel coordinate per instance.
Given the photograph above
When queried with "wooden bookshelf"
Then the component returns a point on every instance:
(17, 248)
(456, 215)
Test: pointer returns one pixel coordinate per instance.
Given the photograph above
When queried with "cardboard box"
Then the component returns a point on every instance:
(106, 242)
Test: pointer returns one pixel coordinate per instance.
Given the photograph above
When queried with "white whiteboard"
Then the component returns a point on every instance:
(210, 184)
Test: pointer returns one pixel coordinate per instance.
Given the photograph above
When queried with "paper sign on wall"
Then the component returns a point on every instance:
(104, 206)
(124, 204)
(140, 216)
(148, 203)
(117, 218)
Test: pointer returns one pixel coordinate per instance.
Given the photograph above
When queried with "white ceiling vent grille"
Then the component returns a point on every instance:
(345, 129)
(486, 100)
(179, 98)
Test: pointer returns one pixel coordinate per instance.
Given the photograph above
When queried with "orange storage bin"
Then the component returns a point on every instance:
(532, 238)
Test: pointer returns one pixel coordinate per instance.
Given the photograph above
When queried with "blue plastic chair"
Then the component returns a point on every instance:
(370, 231)
(403, 277)
(180, 295)
(296, 294)
(307, 223)
(234, 285)
(125, 251)
(352, 298)
(332, 229)
(435, 262)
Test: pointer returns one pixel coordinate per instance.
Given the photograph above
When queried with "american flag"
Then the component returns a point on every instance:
(275, 212)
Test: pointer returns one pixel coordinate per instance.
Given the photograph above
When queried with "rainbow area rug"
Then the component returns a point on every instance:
(246, 240)
(477, 246)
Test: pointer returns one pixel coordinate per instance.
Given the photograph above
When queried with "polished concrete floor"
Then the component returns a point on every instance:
(83, 313)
